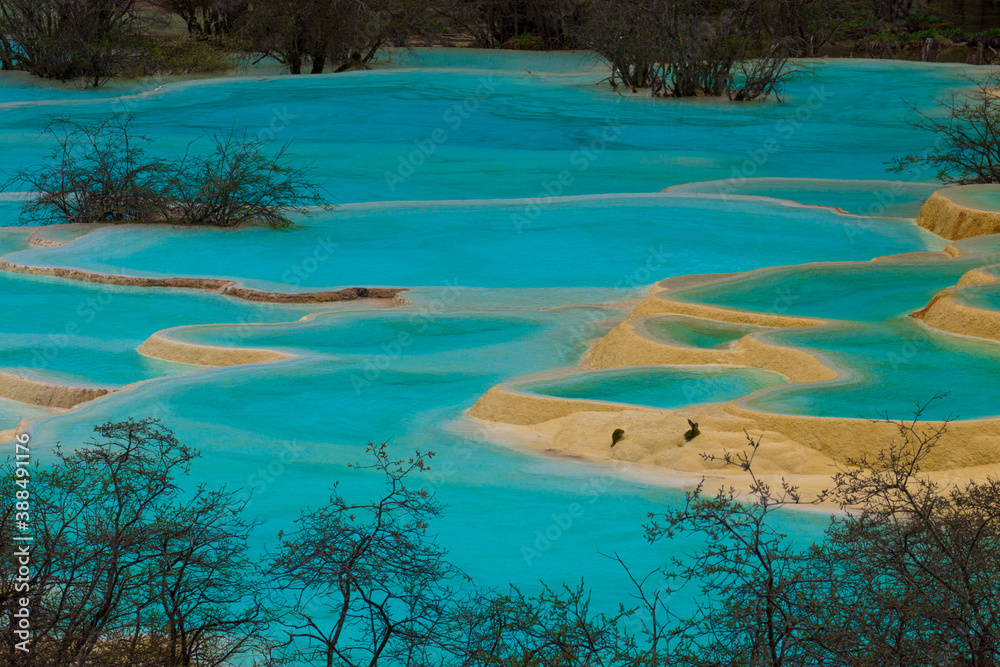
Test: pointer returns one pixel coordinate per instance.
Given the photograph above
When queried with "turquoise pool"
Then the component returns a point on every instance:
(509, 132)
(982, 197)
(695, 332)
(510, 276)
(889, 368)
(868, 292)
(669, 388)
(621, 241)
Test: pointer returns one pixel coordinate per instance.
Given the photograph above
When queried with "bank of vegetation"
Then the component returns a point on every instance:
(673, 48)
(133, 564)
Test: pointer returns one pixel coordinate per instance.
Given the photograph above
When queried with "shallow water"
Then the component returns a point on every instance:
(868, 198)
(673, 387)
(982, 197)
(891, 367)
(12, 412)
(502, 289)
(694, 332)
(869, 291)
(617, 242)
(982, 296)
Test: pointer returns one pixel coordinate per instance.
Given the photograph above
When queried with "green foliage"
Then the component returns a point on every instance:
(189, 55)
(524, 42)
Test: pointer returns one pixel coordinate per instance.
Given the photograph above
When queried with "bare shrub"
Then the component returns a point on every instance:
(97, 172)
(344, 33)
(683, 48)
(238, 184)
(967, 146)
(102, 172)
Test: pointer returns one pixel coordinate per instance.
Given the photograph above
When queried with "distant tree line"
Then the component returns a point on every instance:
(675, 47)
(557, 23)
(207, 17)
(130, 566)
(67, 39)
(101, 39)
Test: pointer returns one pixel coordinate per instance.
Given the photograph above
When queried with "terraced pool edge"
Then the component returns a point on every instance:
(953, 221)
(970, 443)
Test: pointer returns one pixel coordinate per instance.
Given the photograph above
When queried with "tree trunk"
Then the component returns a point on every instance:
(7, 57)
(294, 63)
(191, 18)
(319, 62)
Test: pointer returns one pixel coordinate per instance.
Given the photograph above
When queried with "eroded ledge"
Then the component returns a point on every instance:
(502, 404)
(626, 346)
(947, 313)
(952, 221)
(161, 346)
(659, 302)
(36, 240)
(46, 394)
(793, 444)
(218, 285)
(55, 236)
